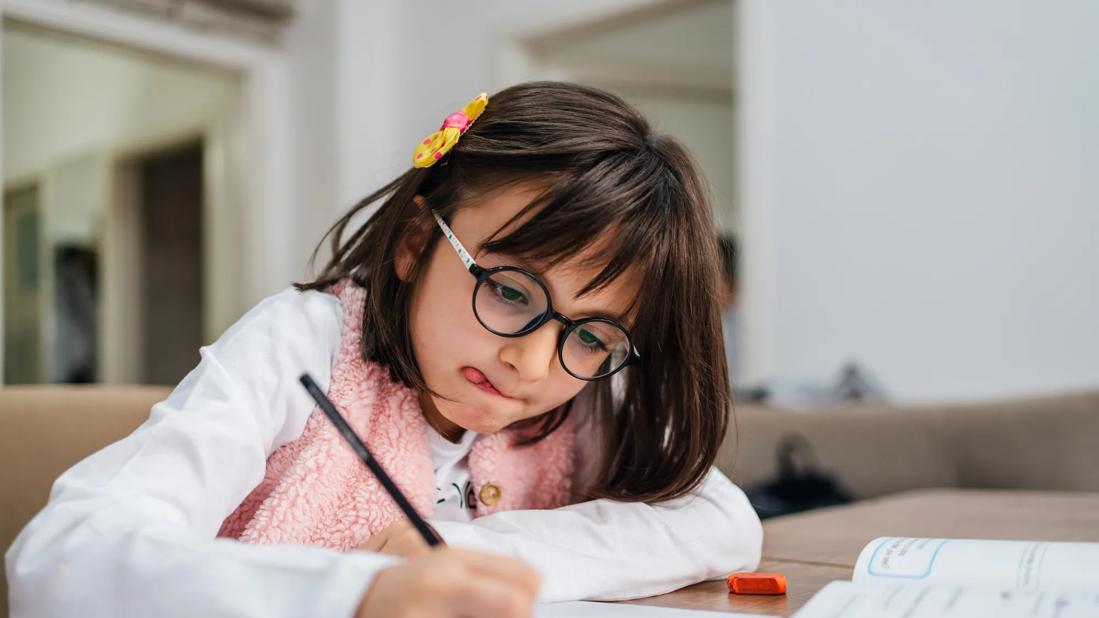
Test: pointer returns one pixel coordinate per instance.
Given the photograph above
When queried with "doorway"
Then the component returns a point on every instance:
(170, 203)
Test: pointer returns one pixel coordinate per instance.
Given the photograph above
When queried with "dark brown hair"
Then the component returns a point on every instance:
(605, 175)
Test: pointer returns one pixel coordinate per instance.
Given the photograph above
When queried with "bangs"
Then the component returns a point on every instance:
(614, 215)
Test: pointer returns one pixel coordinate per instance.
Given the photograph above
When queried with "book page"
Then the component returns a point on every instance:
(1022, 565)
(922, 600)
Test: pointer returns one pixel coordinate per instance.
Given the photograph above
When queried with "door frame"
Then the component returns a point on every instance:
(44, 341)
(265, 114)
(121, 351)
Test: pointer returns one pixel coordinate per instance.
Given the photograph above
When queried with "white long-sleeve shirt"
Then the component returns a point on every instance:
(130, 530)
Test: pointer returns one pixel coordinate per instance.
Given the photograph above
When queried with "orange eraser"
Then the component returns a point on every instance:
(757, 583)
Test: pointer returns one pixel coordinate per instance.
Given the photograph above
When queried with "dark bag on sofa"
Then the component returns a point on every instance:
(796, 488)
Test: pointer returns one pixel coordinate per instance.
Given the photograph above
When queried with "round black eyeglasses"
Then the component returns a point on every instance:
(511, 302)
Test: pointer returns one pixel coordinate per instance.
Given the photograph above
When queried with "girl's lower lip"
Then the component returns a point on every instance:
(479, 380)
(488, 388)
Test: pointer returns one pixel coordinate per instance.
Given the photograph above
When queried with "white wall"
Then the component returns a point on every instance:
(920, 193)
(310, 58)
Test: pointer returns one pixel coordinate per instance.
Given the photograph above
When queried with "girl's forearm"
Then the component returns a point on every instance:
(604, 550)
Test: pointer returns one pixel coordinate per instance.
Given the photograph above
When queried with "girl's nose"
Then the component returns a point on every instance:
(532, 355)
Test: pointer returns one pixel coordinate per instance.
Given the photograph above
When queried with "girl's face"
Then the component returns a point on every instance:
(457, 356)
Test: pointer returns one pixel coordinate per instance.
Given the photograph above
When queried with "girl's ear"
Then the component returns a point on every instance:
(411, 245)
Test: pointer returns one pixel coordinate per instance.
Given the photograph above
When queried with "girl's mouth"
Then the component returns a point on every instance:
(479, 380)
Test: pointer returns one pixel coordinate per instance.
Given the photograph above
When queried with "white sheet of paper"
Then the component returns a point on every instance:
(1025, 565)
(588, 609)
(922, 600)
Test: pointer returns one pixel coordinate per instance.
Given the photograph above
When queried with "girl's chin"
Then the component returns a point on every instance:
(477, 419)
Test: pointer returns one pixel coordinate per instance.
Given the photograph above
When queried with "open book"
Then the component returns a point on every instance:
(923, 578)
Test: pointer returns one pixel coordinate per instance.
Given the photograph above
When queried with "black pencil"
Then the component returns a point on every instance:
(345, 430)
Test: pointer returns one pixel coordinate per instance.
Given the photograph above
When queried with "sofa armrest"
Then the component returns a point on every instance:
(45, 430)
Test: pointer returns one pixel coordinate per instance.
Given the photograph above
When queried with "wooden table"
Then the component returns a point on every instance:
(814, 548)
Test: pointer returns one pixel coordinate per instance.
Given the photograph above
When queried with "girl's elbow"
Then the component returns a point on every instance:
(28, 590)
(743, 533)
(753, 541)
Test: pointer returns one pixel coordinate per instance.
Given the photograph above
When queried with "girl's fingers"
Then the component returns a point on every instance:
(503, 569)
(453, 583)
(379, 541)
(492, 596)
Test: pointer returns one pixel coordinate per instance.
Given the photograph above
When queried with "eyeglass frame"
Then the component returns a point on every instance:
(482, 274)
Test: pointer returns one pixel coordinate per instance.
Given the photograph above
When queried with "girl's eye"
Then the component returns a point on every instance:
(590, 340)
(510, 294)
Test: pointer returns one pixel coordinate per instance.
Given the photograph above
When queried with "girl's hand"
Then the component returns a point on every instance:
(450, 583)
(399, 539)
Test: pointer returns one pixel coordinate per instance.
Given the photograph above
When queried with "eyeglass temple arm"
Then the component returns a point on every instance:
(463, 255)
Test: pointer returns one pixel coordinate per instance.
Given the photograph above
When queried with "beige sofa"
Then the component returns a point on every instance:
(1040, 443)
(1034, 443)
(44, 430)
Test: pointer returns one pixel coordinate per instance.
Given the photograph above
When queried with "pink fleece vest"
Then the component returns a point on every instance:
(316, 491)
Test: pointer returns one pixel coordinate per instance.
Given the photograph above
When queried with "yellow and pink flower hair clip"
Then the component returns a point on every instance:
(434, 146)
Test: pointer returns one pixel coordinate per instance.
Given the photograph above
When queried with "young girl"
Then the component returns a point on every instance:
(526, 334)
